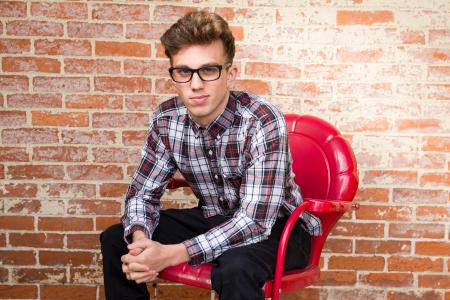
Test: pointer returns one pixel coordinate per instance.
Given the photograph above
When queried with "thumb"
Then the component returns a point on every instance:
(144, 243)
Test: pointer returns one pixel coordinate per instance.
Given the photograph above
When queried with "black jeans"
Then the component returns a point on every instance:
(239, 273)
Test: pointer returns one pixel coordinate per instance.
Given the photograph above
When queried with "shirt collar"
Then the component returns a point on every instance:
(221, 123)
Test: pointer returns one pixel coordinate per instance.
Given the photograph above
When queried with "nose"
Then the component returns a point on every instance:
(196, 82)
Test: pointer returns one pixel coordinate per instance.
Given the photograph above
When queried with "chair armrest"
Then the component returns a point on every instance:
(325, 205)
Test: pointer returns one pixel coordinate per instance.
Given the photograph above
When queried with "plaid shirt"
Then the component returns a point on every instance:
(239, 166)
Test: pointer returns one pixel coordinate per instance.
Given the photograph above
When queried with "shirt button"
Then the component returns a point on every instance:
(210, 152)
(218, 137)
(220, 199)
(216, 177)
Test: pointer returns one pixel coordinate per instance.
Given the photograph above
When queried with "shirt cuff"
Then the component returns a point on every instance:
(128, 232)
(199, 250)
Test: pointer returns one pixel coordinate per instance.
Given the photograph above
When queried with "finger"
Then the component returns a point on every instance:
(140, 275)
(125, 268)
(148, 278)
(144, 243)
(136, 267)
(136, 251)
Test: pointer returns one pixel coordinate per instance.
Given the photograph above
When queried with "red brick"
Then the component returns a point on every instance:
(413, 37)
(30, 136)
(389, 177)
(91, 66)
(83, 275)
(434, 281)
(363, 17)
(101, 223)
(134, 137)
(438, 91)
(388, 213)
(34, 28)
(438, 73)
(304, 89)
(419, 125)
(359, 124)
(91, 207)
(439, 37)
(433, 213)
(13, 9)
(414, 264)
(116, 155)
(257, 69)
(17, 257)
(83, 241)
(141, 102)
(113, 189)
(36, 240)
(35, 172)
(95, 172)
(146, 67)
(94, 30)
(387, 279)
(61, 84)
(59, 153)
(14, 46)
(121, 12)
(71, 119)
(413, 295)
(338, 246)
(65, 224)
(35, 100)
(435, 179)
(382, 247)
(66, 190)
(12, 118)
(13, 153)
(418, 195)
(120, 120)
(171, 13)
(27, 64)
(358, 229)
(22, 206)
(94, 101)
(75, 292)
(356, 263)
(41, 275)
(359, 56)
(18, 190)
(122, 84)
(337, 278)
(165, 86)
(416, 230)
(436, 143)
(257, 87)
(63, 47)
(371, 90)
(18, 291)
(372, 195)
(62, 258)
(133, 49)
(12, 83)
(428, 55)
(60, 10)
(95, 137)
(145, 31)
(433, 248)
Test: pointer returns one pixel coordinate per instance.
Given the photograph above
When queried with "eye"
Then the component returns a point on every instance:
(185, 72)
(209, 70)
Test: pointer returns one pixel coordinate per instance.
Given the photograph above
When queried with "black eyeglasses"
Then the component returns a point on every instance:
(206, 73)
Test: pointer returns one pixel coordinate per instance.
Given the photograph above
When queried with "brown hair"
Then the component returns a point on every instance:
(198, 28)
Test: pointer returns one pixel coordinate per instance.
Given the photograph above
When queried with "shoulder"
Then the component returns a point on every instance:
(258, 109)
(169, 109)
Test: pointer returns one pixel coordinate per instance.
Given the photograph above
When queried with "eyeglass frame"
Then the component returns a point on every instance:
(220, 67)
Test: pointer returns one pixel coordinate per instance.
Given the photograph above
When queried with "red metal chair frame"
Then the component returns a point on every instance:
(326, 171)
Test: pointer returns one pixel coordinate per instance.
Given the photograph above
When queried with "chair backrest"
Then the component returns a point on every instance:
(324, 167)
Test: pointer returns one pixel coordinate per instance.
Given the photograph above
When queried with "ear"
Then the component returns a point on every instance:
(232, 73)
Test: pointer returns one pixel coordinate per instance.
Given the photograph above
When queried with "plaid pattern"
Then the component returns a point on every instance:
(240, 166)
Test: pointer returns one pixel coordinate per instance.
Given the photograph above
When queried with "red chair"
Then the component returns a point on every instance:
(325, 169)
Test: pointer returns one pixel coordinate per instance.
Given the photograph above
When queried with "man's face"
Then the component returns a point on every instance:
(205, 100)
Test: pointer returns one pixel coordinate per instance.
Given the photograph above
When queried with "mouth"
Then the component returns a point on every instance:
(199, 99)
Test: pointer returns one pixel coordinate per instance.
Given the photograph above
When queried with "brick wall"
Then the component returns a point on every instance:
(79, 81)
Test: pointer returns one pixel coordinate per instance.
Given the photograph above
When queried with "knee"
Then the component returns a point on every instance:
(112, 235)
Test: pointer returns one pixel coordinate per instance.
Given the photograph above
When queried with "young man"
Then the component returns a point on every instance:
(232, 148)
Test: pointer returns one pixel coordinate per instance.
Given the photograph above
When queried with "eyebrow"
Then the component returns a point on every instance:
(204, 65)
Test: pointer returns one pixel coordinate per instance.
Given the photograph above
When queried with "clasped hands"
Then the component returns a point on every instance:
(146, 258)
